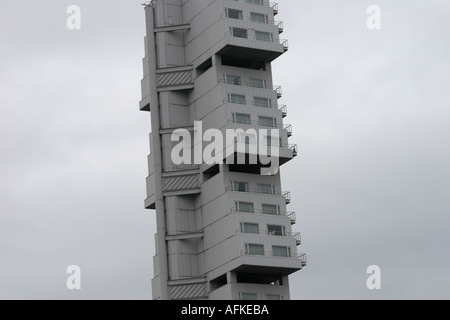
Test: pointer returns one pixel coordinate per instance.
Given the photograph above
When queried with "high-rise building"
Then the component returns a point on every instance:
(223, 228)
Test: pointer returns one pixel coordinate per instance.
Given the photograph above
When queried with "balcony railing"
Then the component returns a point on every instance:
(287, 127)
(284, 110)
(275, 8)
(283, 42)
(291, 215)
(295, 235)
(294, 149)
(270, 254)
(278, 89)
(279, 24)
(303, 257)
(284, 194)
(287, 197)
(264, 3)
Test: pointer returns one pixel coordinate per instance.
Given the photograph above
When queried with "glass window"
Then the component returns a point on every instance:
(270, 209)
(248, 138)
(239, 33)
(257, 83)
(252, 228)
(240, 186)
(238, 99)
(234, 14)
(273, 230)
(258, 17)
(281, 251)
(262, 102)
(245, 207)
(263, 36)
(274, 297)
(273, 142)
(266, 189)
(248, 296)
(254, 249)
(230, 79)
(267, 122)
(242, 118)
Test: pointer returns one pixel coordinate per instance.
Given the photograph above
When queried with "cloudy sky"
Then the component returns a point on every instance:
(371, 114)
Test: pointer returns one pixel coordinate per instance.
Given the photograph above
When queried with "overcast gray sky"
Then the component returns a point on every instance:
(371, 114)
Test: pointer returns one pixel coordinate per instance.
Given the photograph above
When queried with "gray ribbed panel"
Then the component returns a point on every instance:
(190, 291)
(181, 183)
(174, 79)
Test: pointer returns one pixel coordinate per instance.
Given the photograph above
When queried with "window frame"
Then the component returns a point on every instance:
(240, 13)
(277, 209)
(254, 245)
(288, 251)
(243, 229)
(239, 203)
(236, 35)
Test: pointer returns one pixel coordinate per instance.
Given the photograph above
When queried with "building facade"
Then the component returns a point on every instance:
(223, 227)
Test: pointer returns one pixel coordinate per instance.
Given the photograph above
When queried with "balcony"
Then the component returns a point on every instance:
(287, 197)
(285, 194)
(295, 235)
(293, 217)
(304, 259)
(275, 8)
(253, 150)
(294, 149)
(251, 50)
(284, 110)
(286, 127)
(271, 254)
(263, 3)
(277, 89)
(279, 24)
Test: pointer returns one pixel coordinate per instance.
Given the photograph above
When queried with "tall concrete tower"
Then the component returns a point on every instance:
(223, 228)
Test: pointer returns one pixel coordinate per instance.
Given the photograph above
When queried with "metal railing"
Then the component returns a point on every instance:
(295, 235)
(294, 149)
(279, 24)
(278, 89)
(291, 215)
(284, 110)
(275, 8)
(263, 3)
(283, 42)
(287, 127)
(304, 258)
(285, 194)
(281, 107)
(270, 254)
